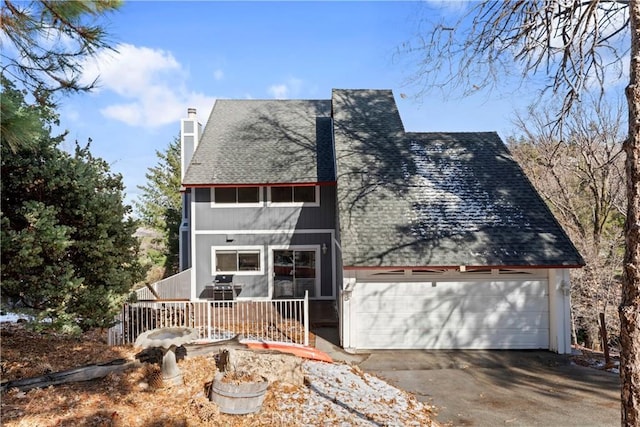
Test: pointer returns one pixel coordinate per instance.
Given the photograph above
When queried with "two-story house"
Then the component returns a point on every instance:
(260, 191)
(424, 240)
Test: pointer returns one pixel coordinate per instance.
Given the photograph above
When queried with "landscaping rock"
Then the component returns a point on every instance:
(275, 366)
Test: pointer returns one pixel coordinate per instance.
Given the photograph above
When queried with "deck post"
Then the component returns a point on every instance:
(306, 317)
(209, 326)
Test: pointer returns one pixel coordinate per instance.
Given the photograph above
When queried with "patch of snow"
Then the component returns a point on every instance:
(344, 395)
(13, 317)
(450, 198)
(10, 317)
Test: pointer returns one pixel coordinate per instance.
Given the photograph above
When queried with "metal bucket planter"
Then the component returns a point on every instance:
(238, 398)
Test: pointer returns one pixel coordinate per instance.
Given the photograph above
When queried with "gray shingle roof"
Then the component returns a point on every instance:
(264, 141)
(434, 199)
(404, 199)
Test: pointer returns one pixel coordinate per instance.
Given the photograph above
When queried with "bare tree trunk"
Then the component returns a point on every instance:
(630, 304)
(605, 340)
(574, 335)
(153, 291)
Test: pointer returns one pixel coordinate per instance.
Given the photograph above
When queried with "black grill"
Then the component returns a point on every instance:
(223, 288)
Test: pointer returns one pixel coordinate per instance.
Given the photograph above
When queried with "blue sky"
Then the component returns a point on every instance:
(175, 55)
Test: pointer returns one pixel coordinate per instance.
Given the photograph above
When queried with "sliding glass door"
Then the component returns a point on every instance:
(294, 272)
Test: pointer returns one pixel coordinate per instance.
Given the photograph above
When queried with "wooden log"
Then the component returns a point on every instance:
(84, 373)
(212, 347)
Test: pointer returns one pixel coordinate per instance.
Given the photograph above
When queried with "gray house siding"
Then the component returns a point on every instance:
(257, 286)
(265, 217)
(267, 227)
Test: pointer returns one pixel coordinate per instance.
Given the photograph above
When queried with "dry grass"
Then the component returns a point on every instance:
(127, 399)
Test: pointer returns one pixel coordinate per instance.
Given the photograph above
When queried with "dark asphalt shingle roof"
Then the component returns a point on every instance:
(264, 141)
(404, 199)
(434, 199)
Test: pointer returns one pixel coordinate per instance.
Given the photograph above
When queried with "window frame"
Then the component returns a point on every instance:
(238, 250)
(237, 204)
(292, 203)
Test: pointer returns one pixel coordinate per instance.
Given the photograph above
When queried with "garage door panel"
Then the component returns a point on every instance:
(461, 320)
(510, 314)
(448, 339)
(430, 303)
(457, 288)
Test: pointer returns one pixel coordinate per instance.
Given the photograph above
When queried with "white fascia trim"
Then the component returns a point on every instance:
(333, 255)
(192, 240)
(337, 244)
(447, 275)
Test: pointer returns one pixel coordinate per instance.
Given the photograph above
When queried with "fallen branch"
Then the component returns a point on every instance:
(206, 348)
(84, 373)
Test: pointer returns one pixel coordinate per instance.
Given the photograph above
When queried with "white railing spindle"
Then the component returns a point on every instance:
(267, 320)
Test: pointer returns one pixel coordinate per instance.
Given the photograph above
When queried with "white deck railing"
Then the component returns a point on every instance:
(281, 320)
(176, 287)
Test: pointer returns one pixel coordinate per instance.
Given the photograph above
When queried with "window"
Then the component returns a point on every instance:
(246, 260)
(282, 194)
(233, 196)
(308, 194)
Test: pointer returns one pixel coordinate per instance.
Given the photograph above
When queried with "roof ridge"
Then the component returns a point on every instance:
(272, 99)
(450, 132)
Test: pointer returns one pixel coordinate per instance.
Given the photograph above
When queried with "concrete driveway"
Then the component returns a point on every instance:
(493, 388)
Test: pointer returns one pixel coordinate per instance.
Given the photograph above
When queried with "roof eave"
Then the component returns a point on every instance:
(261, 184)
(458, 267)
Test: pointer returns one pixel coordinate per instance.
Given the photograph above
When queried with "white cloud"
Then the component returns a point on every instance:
(150, 85)
(452, 6)
(278, 91)
(289, 89)
(218, 74)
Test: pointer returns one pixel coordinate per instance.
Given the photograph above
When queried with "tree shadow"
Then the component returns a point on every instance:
(444, 199)
(287, 142)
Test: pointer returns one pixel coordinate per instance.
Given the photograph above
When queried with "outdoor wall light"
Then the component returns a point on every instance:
(324, 249)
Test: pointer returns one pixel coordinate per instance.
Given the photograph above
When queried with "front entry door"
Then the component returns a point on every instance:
(294, 272)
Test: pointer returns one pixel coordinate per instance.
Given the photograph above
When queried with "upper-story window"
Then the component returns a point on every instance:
(295, 195)
(236, 196)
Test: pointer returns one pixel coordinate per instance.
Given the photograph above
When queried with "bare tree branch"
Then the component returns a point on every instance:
(575, 45)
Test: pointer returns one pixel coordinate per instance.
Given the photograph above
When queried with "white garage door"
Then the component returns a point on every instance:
(511, 314)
